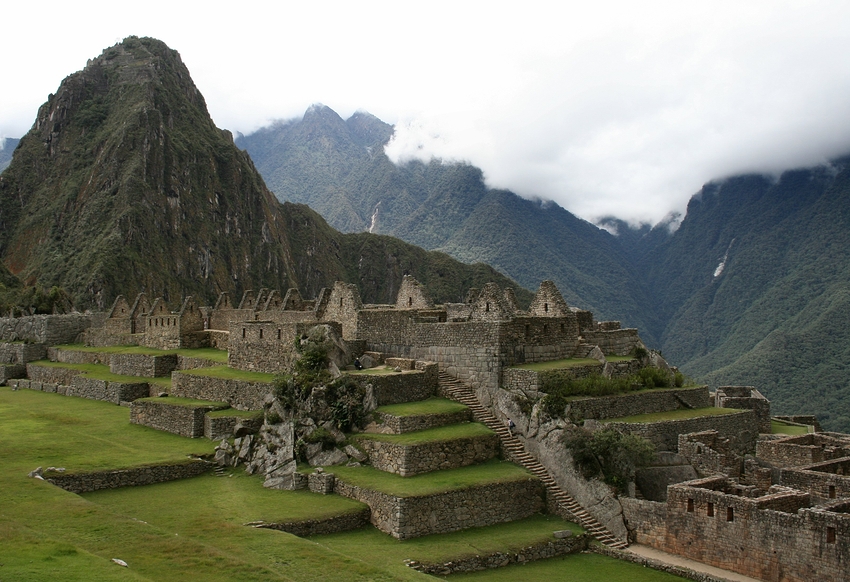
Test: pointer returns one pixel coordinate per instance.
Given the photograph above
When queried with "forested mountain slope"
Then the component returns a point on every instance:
(124, 184)
(340, 169)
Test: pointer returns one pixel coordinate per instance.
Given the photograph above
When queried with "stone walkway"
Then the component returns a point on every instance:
(674, 560)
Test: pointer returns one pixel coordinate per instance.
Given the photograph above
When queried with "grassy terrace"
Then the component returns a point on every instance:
(779, 427)
(432, 435)
(423, 407)
(429, 483)
(680, 414)
(231, 374)
(101, 372)
(387, 551)
(187, 402)
(558, 364)
(234, 412)
(211, 354)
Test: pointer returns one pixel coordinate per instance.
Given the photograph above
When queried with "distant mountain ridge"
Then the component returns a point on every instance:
(339, 168)
(751, 288)
(124, 184)
(9, 146)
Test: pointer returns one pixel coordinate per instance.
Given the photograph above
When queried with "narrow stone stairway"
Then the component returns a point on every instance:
(457, 390)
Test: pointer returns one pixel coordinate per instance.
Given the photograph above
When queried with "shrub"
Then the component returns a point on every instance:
(609, 453)
(321, 435)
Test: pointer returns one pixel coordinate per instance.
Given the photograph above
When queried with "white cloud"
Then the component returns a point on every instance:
(608, 108)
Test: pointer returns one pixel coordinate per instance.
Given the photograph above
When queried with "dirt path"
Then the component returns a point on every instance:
(672, 559)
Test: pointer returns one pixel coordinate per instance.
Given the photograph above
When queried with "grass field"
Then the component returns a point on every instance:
(680, 414)
(101, 372)
(779, 427)
(431, 435)
(422, 407)
(193, 529)
(231, 374)
(558, 364)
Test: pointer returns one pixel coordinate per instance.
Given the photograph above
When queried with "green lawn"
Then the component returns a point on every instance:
(431, 435)
(193, 529)
(211, 354)
(231, 374)
(558, 364)
(423, 407)
(235, 412)
(680, 414)
(429, 483)
(572, 568)
(187, 402)
(779, 427)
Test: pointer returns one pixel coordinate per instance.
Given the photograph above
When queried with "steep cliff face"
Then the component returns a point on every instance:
(124, 184)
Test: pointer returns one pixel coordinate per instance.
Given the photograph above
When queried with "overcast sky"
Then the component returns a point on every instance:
(621, 108)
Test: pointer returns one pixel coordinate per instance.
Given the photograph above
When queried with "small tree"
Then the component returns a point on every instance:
(609, 453)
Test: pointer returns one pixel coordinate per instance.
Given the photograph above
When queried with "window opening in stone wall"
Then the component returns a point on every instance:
(278, 334)
(243, 333)
(545, 328)
(710, 510)
(340, 301)
(410, 301)
(690, 505)
(832, 491)
(546, 307)
(830, 535)
(563, 329)
(730, 514)
(261, 333)
(487, 307)
(527, 330)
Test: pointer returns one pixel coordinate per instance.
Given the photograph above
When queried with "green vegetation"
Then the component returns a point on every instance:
(559, 388)
(440, 548)
(434, 482)
(572, 568)
(231, 374)
(228, 412)
(608, 453)
(559, 364)
(187, 402)
(442, 433)
(422, 407)
(681, 414)
(29, 300)
(779, 427)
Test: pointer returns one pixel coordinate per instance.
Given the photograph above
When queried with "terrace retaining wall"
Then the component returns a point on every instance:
(85, 482)
(108, 391)
(410, 386)
(740, 428)
(144, 365)
(409, 460)
(477, 506)
(240, 394)
(21, 353)
(313, 527)
(644, 402)
(159, 413)
(405, 424)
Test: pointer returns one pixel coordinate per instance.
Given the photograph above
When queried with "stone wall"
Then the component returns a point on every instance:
(21, 353)
(539, 551)
(315, 527)
(773, 537)
(405, 424)
(11, 371)
(646, 521)
(746, 398)
(171, 415)
(142, 365)
(240, 394)
(409, 460)
(85, 482)
(48, 329)
(77, 356)
(51, 375)
(222, 427)
(409, 517)
(824, 481)
(795, 451)
(616, 342)
(264, 346)
(740, 428)
(108, 391)
(410, 386)
(643, 402)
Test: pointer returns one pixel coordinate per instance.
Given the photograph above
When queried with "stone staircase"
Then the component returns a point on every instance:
(457, 390)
